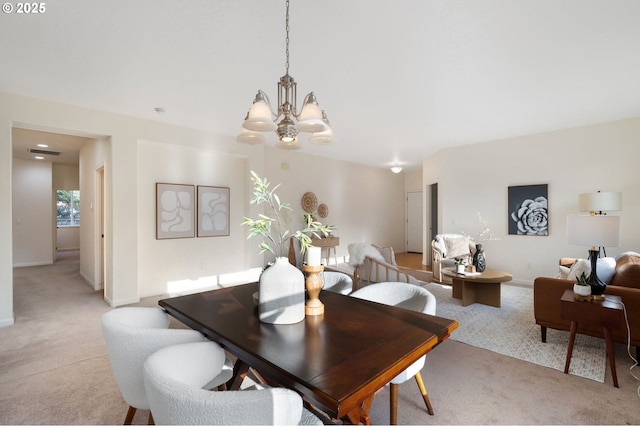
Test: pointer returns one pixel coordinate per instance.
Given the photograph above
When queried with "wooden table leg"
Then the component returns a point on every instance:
(572, 339)
(610, 354)
(240, 369)
(360, 414)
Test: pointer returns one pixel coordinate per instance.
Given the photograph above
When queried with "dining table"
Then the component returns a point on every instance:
(336, 361)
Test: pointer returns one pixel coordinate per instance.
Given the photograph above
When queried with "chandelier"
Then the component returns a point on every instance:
(310, 119)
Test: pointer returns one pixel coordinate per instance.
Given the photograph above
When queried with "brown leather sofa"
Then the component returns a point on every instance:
(625, 283)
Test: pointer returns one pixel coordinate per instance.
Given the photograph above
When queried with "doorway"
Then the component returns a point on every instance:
(414, 221)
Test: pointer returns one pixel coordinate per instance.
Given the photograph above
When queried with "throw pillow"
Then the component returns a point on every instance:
(563, 272)
(605, 267)
(456, 247)
(388, 254)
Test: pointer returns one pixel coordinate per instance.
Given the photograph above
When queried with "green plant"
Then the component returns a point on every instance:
(459, 261)
(271, 228)
(583, 279)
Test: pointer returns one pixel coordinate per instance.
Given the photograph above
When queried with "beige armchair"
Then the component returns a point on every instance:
(447, 247)
(374, 264)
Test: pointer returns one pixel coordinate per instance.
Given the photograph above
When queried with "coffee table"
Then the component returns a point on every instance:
(483, 288)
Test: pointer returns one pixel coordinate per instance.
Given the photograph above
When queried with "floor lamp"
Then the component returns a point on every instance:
(595, 231)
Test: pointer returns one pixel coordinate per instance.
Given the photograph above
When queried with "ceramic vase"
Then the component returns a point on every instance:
(281, 293)
(478, 259)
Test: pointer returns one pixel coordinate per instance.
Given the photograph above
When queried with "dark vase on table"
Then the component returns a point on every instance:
(478, 259)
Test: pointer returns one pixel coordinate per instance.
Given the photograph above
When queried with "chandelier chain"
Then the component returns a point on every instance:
(287, 39)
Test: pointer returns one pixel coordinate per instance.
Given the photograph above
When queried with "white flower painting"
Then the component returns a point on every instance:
(528, 210)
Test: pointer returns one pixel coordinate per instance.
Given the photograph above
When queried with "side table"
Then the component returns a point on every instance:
(607, 313)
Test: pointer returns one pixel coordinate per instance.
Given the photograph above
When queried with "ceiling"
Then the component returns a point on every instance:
(398, 79)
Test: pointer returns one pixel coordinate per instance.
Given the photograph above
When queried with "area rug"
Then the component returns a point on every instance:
(511, 330)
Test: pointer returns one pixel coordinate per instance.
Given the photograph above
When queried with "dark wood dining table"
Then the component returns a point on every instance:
(336, 361)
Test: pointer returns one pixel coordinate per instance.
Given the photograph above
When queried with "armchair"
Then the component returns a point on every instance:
(446, 247)
(373, 264)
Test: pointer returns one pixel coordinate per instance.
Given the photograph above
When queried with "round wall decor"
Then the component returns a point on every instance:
(323, 210)
(309, 202)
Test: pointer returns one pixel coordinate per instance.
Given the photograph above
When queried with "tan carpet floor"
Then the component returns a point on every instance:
(54, 370)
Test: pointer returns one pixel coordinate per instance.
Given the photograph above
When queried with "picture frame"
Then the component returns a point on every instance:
(175, 211)
(213, 211)
(528, 212)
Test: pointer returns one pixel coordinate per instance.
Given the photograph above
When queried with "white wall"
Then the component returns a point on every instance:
(121, 221)
(33, 226)
(365, 204)
(93, 156)
(475, 179)
(185, 264)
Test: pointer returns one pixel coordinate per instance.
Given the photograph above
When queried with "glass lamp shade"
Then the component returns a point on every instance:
(600, 202)
(310, 118)
(250, 137)
(396, 169)
(259, 118)
(595, 231)
(323, 138)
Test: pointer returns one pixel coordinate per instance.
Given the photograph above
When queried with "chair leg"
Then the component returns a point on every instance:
(423, 391)
(393, 404)
(129, 418)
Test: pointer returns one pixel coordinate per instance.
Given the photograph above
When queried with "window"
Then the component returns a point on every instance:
(68, 207)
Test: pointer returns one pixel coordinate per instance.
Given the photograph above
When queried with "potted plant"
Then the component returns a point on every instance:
(460, 264)
(582, 286)
(281, 288)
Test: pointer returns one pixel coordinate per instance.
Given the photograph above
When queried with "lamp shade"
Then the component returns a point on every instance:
(597, 231)
(250, 137)
(325, 137)
(310, 119)
(259, 118)
(600, 201)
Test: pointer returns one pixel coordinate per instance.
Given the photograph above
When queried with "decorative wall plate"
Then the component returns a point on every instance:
(309, 202)
(323, 210)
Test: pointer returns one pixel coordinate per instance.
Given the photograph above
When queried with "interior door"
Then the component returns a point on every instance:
(414, 222)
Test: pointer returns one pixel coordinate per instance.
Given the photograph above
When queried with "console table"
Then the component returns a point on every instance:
(326, 245)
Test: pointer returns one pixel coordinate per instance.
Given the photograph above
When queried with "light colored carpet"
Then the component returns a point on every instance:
(511, 330)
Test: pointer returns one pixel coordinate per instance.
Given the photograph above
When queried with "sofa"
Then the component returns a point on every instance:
(624, 282)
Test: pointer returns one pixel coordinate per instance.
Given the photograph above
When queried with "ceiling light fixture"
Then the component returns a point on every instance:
(261, 118)
(396, 168)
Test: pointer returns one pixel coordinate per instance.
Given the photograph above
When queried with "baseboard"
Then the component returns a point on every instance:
(7, 322)
(27, 264)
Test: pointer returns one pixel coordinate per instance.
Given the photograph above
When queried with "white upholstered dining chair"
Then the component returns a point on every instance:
(174, 379)
(131, 335)
(414, 298)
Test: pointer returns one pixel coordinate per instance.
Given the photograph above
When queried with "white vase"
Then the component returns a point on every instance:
(281, 298)
(460, 269)
(582, 290)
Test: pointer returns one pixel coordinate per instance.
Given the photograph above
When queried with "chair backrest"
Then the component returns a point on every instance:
(174, 377)
(132, 334)
(402, 295)
(453, 245)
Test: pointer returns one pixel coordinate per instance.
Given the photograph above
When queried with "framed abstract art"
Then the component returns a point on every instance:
(528, 210)
(213, 211)
(175, 211)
